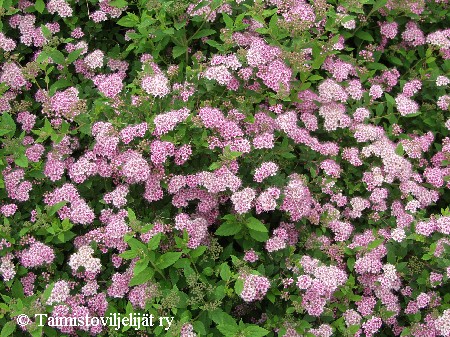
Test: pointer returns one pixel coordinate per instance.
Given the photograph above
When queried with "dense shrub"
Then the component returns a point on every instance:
(247, 168)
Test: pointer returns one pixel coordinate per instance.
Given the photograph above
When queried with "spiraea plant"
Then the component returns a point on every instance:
(244, 167)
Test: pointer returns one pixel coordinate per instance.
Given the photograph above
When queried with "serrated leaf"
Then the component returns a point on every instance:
(57, 56)
(130, 20)
(168, 259)
(21, 161)
(178, 51)
(375, 244)
(118, 3)
(389, 99)
(56, 207)
(238, 286)
(8, 328)
(399, 149)
(153, 243)
(258, 236)
(225, 272)
(137, 245)
(228, 21)
(351, 263)
(7, 123)
(222, 318)
(48, 291)
(39, 6)
(73, 55)
(256, 225)
(129, 254)
(62, 83)
(255, 331)
(228, 229)
(142, 277)
(412, 115)
(140, 265)
(364, 36)
(203, 33)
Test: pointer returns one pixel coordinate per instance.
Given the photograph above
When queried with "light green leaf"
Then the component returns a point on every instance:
(142, 277)
(40, 6)
(57, 56)
(228, 229)
(168, 259)
(203, 33)
(255, 331)
(256, 225)
(8, 328)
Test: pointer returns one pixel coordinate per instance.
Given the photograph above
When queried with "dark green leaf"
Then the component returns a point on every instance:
(256, 225)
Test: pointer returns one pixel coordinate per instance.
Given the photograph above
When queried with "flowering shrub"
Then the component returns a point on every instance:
(247, 168)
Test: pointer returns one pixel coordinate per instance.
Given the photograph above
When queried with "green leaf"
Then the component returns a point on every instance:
(168, 259)
(228, 21)
(228, 229)
(21, 161)
(389, 99)
(215, 44)
(142, 277)
(413, 115)
(227, 331)
(118, 3)
(62, 83)
(364, 36)
(8, 328)
(376, 66)
(255, 331)
(40, 6)
(140, 265)
(256, 225)
(222, 318)
(258, 236)
(225, 272)
(7, 124)
(178, 51)
(399, 149)
(203, 33)
(48, 291)
(57, 56)
(351, 263)
(379, 4)
(130, 20)
(153, 243)
(239, 286)
(46, 32)
(56, 207)
(375, 244)
(137, 245)
(129, 254)
(73, 55)
(197, 252)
